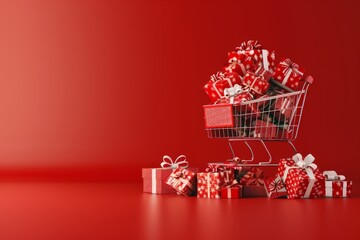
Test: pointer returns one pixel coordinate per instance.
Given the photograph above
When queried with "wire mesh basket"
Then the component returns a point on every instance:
(268, 118)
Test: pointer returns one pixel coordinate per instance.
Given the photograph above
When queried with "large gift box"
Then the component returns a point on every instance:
(288, 75)
(260, 56)
(211, 182)
(301, 176)
(275, 188)
(336, 186)
(183, 181)
(154, 179)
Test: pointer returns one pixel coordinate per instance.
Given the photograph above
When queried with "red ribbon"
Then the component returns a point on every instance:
(276, 185)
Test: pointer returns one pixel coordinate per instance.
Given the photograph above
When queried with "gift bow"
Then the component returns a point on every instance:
(276, 185)
(249, 45)
(234, 183)
(306, 162)
(289, 68)
(178, 174)
(217, 77)
(180, 161)
(232, 92)
(215, 168)
(253, 177)
(332, 176)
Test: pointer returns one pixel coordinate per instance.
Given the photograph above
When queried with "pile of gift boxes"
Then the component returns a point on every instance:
(295, 178)
(250, 74)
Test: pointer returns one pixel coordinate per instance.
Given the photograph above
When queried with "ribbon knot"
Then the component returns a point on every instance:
(180, 161)
(306, 162)
(232, 92)
(178, 174)
(217, 77)
(276, 185)
(333, 176)
(249, 45)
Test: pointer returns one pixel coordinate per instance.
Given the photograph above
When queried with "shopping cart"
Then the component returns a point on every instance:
(271, 118)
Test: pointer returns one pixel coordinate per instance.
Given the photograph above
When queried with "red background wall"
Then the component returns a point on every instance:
(99, 89)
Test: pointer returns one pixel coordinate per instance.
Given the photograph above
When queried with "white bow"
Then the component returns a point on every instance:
(179, 161)
(232, 92)
(332, 176)
(306, 162)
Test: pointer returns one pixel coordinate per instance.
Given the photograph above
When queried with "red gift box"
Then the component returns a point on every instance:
(302, 178)
(210, 183)
(252, 181)
(261, 57)
(263, 129)
(239, 63)
(233, 190)
(336, 186)
(216, 85)
(256, 84)
(275, 188)
(154, 179)
(183, 181)
(283, 108)
(288, 74)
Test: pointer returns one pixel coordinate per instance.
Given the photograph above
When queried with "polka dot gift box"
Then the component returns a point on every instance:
(301, 176)
(287, 74)
(239, 63)
(260, 56)
(256, 84)
(218, 82)
(211, 182)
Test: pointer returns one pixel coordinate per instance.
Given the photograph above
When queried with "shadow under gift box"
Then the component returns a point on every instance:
(154, 180)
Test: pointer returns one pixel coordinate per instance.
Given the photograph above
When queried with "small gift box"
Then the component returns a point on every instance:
(215, 87)
(302, 178)
(287, 75)
(233, 190)
(183, 181)
(263, 129)
(275, 188)
(154, 179)
(336, 186)
(261, 57)
(211, 182)
(239, 63)
(256, 84)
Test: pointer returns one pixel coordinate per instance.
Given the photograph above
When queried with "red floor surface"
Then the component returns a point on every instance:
(122, 211)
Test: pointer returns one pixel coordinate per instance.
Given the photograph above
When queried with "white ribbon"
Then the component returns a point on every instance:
(330, 177)
(265, 54)
(232, 92)
(306, 164)
(289, 68)
(153, 180)
(333, 176)
(179, 161)
(208, 185)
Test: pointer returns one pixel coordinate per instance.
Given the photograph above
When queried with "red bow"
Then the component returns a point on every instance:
(276, 185)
